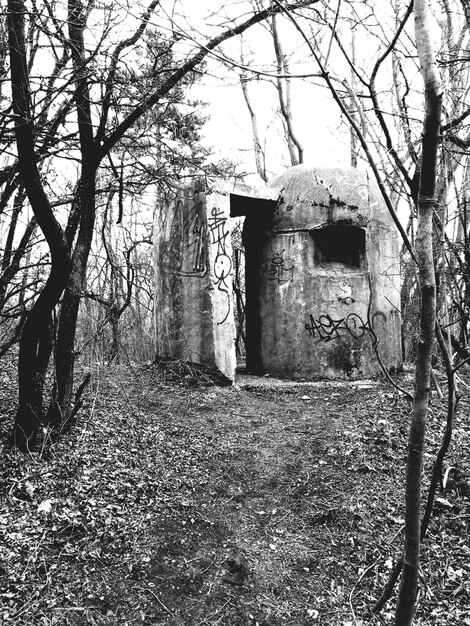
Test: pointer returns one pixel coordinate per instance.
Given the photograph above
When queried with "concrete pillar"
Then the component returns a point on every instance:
(193, 285)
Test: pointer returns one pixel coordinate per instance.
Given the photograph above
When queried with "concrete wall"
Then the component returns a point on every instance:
(193, 286)
(320, 316)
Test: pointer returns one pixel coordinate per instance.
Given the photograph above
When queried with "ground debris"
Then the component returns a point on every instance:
(185, 503)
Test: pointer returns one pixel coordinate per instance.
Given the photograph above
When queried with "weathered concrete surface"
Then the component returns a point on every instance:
(193, 286)
(321, 313)
(322, 276)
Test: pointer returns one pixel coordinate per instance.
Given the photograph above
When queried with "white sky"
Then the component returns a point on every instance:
(317, 123)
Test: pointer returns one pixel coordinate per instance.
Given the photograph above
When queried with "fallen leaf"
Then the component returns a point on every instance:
(45, 506)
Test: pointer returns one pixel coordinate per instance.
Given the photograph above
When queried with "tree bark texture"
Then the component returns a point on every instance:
(424, 252)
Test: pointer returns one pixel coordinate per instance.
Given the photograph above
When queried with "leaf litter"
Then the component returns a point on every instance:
(175, 501)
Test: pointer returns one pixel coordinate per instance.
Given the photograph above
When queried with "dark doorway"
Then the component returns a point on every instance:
(258, 215)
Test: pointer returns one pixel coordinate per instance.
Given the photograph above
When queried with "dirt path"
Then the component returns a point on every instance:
(179, 503)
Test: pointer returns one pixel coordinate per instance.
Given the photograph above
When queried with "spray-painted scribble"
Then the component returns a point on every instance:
(186, 228)
(276, 268)
(197, 245)
(325, 328)
(223, 263)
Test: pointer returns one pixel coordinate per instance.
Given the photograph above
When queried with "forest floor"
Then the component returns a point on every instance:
(177, 502)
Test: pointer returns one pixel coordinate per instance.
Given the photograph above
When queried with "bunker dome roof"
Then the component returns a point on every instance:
(313, 197)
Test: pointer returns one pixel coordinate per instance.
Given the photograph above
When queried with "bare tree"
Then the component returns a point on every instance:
(427, 284)
(35, 336)
(294, 145)
(260, 157)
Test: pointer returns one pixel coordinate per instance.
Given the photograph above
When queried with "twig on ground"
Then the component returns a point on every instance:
(161, 604)
(356, 584)
(76, 608)
(213, 615)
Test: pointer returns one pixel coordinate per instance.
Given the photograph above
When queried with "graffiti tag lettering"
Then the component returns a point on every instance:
(197, 246)
(325, 328)
(223, 262)
(277, 270)
(190, 229)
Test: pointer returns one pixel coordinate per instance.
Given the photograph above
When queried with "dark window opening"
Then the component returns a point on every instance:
(340, 243)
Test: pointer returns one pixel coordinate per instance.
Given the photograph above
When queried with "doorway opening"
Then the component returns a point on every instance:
(251, 220)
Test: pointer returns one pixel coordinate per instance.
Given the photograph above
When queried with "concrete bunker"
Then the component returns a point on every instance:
(322, 276)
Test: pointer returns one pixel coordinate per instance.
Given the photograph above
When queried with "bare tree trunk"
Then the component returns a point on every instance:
(354, 144)
(424, 252)
(114, 355)
(10, 264)
(259, 155)
(61, 403)
(294, 145)
(35, 334)
(65, 353)
(260, 158)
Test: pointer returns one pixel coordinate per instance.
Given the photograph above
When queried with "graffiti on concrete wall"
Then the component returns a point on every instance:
(219, 234)
(196, 246)
(324, 328)
(187, 231)
(184, 254)
(276, 268)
